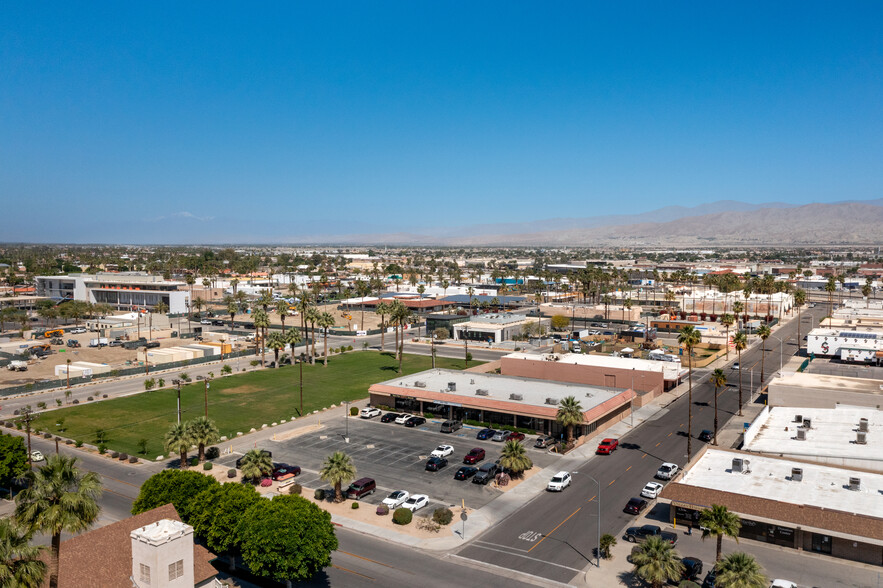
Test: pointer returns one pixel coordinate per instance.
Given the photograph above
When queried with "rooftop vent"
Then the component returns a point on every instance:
(551, 401)
(863, 425)
(471, 381)
(801, 434)
(796, 474)
(516, 397)
(738, 464)
(420, 384)
(481, 392)
(452, 386)
(807, 423)
(855, 484)
(798, 418)
(861, 438)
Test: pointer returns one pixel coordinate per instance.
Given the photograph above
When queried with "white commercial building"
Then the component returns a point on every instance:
(123, 291)
(862, 346)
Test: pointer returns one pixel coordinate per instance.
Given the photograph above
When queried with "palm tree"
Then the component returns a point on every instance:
(161, 307)
(312, 316)
(799, 300)
(276, 342)
(325, 322)
(282, 309)
(363, 288)
(382, 309)
(261, 324)
(689, 338)
(292, 339)
(190, 280)
(740, 570)
(764, 333)
(738, 309)
(20, 563)
(718, 521)
(203, 432)
(255, 464)
(179, 439)
(570, 414)
(338, 469)
(740, 342)
(830, 288)
(514, 458)
(57, 499)
(656, 562)
(719, 380)
(232, 309)
(727, 321)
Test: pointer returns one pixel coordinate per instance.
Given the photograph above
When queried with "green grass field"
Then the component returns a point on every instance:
(235, 403)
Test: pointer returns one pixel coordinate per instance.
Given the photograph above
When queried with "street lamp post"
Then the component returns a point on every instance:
(207, 380)
(301, 364)
(177, 383)
(346, 419)
(781, 351)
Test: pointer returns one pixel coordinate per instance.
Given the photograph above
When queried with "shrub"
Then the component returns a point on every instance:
(104, 395)
(142, 446)
(355, 505)
(266, 482)
(212, 453)
(16, 412)
(231, 473)
(207, 466)
(382, 510)
(149, 383)
(69, 442)
(468, 357)
(160, 383)
(402, 516)
(443, 516)
(58, 401)
(226, 369)
(102, 448)
(349, 347)
(78, 443)
(124, 456)
(194, 461)
(114, 454)
(354, 411)
(296, 489)
(76, 401)
(18, 425)
(428, 415)
(427, 524)
(47, 435)
(319, 494)
(133, 459)
(90, 399)
(41, 405)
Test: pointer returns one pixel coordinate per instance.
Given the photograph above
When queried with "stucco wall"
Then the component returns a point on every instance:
(644, 382)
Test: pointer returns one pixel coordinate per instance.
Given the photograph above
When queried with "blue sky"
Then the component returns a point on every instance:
(233, 122)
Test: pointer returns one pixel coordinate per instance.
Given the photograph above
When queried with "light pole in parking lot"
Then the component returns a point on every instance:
(177, 383)
(346, 418)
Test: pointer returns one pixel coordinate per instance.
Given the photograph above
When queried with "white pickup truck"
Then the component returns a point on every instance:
(18, 366)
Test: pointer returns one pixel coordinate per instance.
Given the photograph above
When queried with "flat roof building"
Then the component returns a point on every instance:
(853, 345)
(823, 391)
(495, 327)
(124, 291)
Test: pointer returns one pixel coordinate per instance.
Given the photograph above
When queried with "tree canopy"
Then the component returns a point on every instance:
(180, 487)
(217, 511)
(13, 458)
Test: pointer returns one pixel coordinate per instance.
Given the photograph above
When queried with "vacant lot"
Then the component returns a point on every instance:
(235, 403)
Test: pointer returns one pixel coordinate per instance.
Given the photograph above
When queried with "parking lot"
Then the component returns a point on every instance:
(395, 456)
(835, 367)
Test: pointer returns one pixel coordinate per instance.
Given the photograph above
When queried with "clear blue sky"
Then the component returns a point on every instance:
(222, 122)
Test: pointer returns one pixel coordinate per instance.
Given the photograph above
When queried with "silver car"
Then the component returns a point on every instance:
(501, 435)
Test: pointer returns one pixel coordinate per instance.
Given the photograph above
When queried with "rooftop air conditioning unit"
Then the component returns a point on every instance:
(551, 401)
(861, 438)
(807, 423)
(420, 384)
(801, 434)
(855, 484)
(737, 464)
(452, 386)
(863, 425)
(516, 397)
(796, 474)
(798, 418)
(472, 381)
(481, 392)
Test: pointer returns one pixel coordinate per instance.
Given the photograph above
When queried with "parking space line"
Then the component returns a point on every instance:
(556, 528)
(542, 561)
(502, 546)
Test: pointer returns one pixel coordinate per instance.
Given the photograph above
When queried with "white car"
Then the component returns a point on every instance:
(205, 322)
(667, 471)
(651, 490)
(442, 451)
(559, 482)
(402, 418)
(78, 330)
(783, 584)
(36, 456)
(416, 502)
(396, 499)
(368, 413)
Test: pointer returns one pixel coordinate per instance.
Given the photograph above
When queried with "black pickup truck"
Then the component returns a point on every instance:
(641, 534)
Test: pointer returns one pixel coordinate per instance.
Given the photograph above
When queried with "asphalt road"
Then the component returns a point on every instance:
(554, 535)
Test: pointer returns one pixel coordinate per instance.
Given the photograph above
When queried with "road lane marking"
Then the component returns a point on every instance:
(658, 444)
(380, 563)
(530, 536)
(503, 546)
(628, 468)
(669, 434)
(555, 529)
(352, 572)
(542, 561)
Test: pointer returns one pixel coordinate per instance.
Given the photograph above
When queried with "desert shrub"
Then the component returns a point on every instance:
(41, 405)
(319, 494)
(124, 456)
(69, 442)
(443, 516)
(382, 510)
(47, 435)
(133, 459)
(428, 524)
(90, 399)
(102, 448)
(193, 461)
(349, 347)
(78, 443)
(114, 454)
(76, 401)
(355, 505)
(207, 466)
(104, 395)
(266, 482)
(354, 411)
(231, 473)
(296, 489)
(402, 516)
(212, 453)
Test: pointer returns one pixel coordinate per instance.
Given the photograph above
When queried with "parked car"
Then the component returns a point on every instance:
(783, 584)
(415, 421)
(544, 441)
(706, 435)
(416, 502)
(218, 323)
(692, 568)
(78, 330)
(369, 412)
(559, 482)
(485, 473)
(641, 534)
(151, 345)
(283, 471)
(635, 506)
(389, 417)
(402, 418)
(485, 434)
(515, 436)
(396, 499)
(607, 446)
(451, 426)
(116, 343)
(264, 451)
(667, 471)
(361, 488)
(651, 490)
(710, 579)
(434, 464)
(205, 322)
(735, 365)
(442, 451)
(501, 436)
(465, 472)
(475, 455)
(36, 456)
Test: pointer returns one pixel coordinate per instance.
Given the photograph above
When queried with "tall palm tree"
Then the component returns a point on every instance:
(161, 307)
(203, 432)
(799, 300)
(718, 521)
(727, 321)
(312, 316)
(292, 339)
(277, 342)
(689, 337)
(363, 288)
(719, 380)
(740, 570)
(261, 324)
(255, 464)
(830, 288)
(57, 499)
(189, 279)
(20, 563)
(232, 309)
(738, 310)
(337, 470)
(198, 304)
(514, 458)
(570, 414)
(382, 309)
(325, 322)
(764, 333)
(282, 309)
(656, 562)
(179, 439)
(740, 343)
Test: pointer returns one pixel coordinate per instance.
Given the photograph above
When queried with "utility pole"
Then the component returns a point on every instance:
(177, 384)
(301, 364)
(207, 380)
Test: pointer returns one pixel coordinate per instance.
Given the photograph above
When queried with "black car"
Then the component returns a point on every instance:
(485, 434)
(435, 463)
(151, 345)
(415, 421)
(635, 506)
(706, 435)
(389, 417)
(465, 472)
(692, 568)
(218, 323)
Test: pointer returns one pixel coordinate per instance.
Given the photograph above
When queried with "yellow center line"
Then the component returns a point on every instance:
(670, 433)
(555, 529)
(628, 468)
(366, 559)
(658, 444)
(352, 572)
(643, 456)
(592, 499)
(611, 482)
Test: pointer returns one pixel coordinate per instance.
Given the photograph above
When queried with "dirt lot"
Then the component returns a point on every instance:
(372, 320)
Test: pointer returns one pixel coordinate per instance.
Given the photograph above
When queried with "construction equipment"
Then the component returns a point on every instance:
(54, 333)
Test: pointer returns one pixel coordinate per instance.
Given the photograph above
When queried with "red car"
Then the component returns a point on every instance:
(607, 446)
(474, 456)
(515, 436)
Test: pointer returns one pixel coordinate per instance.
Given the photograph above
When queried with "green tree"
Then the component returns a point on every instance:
(570, 414)
(178, 439)
(740, 570)
(276, 342)
(20, 563)
(203, 432)
(58, 498)
(718, 521)
(175, 486)
(514, 458)
(608, 541)
(282, 309)
(286, 539)
(337, 470)
(560, 322)
(325, 322)
(656, 562)
(718, 380)
(311, 316)
(727, 321)
(830, 288)
(740, 343)
(764, 333)
(689, 338)
(261, 324)
(232, 309)
(293, 339)
(13, 459)
(382, 309)
(799, 300)
(255, 464)
(217, 513)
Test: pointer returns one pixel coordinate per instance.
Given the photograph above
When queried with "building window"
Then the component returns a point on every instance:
(176, 570)
(145, 574)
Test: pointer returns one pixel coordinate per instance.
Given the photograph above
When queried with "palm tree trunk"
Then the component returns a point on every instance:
(720, 546)
(201, 452)
(727, 341)
(325, 345)
(313, 337)
(53, 564)
(338, 495)
(762, 359)
(740, 382)
(183, 456)
(715, 415)
(382, 332)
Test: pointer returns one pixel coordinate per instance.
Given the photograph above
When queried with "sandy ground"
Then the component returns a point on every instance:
(372, 320)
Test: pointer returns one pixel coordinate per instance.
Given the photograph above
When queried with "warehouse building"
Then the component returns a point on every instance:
(853, 346)
(824, 391)
(495, 327)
